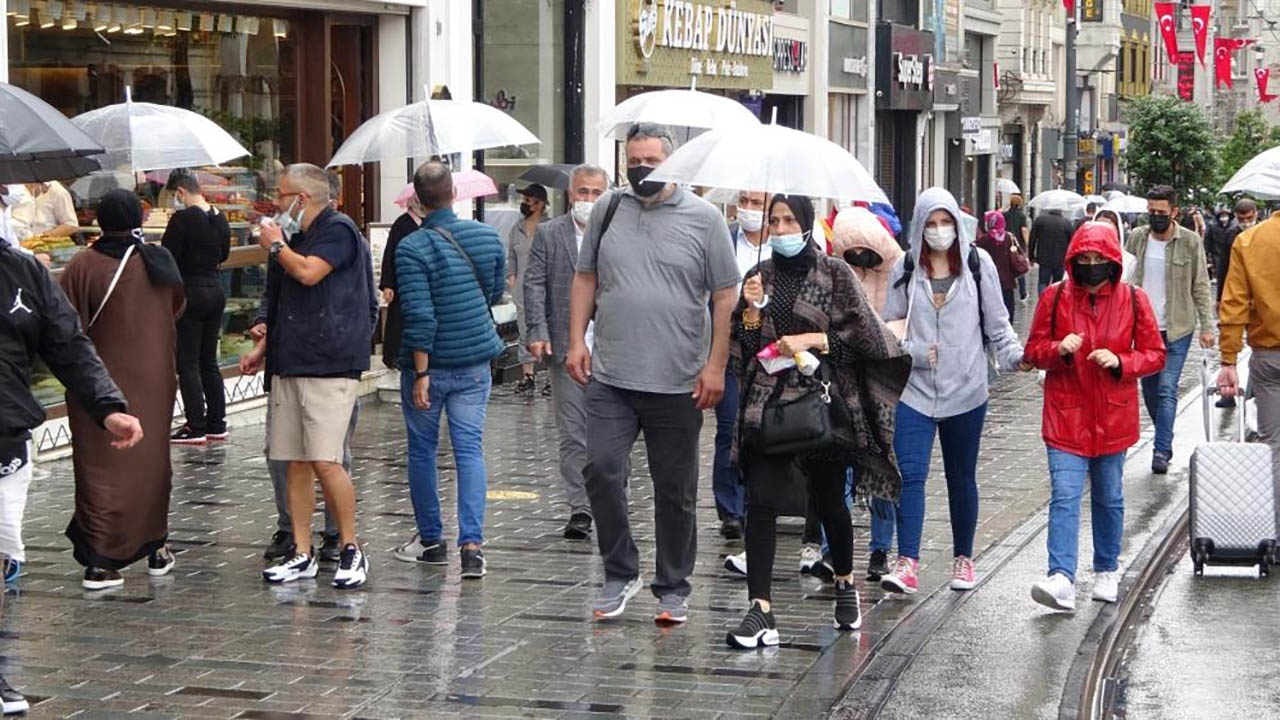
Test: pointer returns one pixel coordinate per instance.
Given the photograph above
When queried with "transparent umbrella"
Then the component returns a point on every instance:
(431, 127)
(1126, 204)
(678, 109)
(1063, 200)
(1259, 178)
(145, 136)
(1007, 187)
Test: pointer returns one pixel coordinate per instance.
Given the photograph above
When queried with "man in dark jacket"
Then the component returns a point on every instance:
(36, 319)
(1050, 236)
(317, 347)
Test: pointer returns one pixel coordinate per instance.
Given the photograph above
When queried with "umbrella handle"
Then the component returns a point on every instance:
(761, 304)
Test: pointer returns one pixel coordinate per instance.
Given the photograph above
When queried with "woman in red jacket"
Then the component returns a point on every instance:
(1095, 336)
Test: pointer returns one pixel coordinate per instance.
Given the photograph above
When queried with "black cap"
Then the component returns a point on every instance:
(535, 191)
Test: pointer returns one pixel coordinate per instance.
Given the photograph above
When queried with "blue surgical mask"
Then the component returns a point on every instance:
(287, 222)
(788, 245)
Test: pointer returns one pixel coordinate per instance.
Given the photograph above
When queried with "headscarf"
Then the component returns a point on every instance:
(120, 217)
(993, 225)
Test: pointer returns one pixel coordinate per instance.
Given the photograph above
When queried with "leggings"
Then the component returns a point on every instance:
(827, 490)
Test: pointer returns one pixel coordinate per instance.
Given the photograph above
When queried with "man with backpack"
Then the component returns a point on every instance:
(450, 273)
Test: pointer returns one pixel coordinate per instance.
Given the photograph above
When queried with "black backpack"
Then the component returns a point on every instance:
(975, 268)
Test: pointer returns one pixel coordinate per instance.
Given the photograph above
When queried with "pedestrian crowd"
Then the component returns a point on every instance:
(831, 354)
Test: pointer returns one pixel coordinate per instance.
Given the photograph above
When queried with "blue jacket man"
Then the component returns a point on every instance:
(450, 272)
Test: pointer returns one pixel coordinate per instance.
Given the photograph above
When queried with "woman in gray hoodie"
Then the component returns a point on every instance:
(948, 291)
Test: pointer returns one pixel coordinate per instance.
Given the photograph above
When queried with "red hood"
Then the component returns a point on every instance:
(1099, 237)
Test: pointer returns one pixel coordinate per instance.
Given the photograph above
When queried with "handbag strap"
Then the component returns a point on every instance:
(474, 272)
(111, 288)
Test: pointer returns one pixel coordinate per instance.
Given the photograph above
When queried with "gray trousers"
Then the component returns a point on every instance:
(279, 471)
(570, 400)
(671, 425)
(1264, 386)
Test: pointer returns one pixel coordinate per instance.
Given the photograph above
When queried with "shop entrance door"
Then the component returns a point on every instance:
(351, 102)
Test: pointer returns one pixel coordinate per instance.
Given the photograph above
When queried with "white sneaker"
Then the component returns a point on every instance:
(810, 558)
(353, 568)
(1055, 591)
(736, 563)
(1106, 586)
(297, 567)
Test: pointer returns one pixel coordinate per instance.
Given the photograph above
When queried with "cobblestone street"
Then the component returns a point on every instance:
(213, 641)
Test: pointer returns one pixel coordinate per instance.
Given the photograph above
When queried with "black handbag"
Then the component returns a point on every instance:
(801, 425)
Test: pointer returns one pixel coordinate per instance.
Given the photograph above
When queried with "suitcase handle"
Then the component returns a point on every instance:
(1211, 388)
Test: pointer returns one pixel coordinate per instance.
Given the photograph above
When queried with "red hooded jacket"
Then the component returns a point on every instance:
(1090, 411)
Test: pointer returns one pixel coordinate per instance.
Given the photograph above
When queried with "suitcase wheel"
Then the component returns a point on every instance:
(1199, 567)
(1264, 570)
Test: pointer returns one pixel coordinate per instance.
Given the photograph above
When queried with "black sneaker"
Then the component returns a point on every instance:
(186, 436)
(824, 570)
(731, 529)
(353, 568)
(756, 629)
(526, 386)
(472, 563)
(217, 433)
(1160, 463)
(546, 390)
(161, 562)
(330, 551)
(12, 700)
(578, 527)
(430, 552)
(100, 579)
(281, 546)
(848, 616)
(879, 565)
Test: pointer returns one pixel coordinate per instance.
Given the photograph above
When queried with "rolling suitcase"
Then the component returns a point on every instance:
(1233, 497)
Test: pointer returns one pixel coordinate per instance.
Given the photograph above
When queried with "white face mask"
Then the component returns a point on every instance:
(178, 204)
(582, 212)
(940, 237)
(751, 220)
(287, 222)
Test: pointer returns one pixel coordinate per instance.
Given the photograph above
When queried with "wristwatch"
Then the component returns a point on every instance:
(276, 247)
(419, 374)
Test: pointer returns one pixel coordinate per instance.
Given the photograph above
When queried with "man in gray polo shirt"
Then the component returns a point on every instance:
(657, 365)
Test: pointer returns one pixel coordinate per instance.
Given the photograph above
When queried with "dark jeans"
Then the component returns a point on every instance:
(827, 497)
(1022, 287)
(1009, 303)
(1048, 276)
(671, 424)
(726, 480)
(203, 400)
(1160, 392)
(961, 436)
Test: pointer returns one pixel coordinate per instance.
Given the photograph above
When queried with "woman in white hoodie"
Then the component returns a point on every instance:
(946, 289)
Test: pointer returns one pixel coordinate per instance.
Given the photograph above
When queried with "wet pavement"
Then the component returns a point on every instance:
(213, 641)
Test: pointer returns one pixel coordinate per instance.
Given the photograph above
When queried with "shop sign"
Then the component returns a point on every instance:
(1087, 146)
(1091, 11)
(1187, 76)
(790, 56)
(946, 88)
(669, 42)
(904, 68)
(1006, 151)
(1089, 180)
(971, 126)
(857, 66)
(981, 143)
(848, 62)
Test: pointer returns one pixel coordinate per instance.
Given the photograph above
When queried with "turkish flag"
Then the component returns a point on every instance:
(1223, 50)
(1168, 28)
(1070, 5)
(1263, 76)
(1200, 27)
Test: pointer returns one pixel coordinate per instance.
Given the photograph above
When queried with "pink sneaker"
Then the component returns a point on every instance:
(903, 578)
(963, 576)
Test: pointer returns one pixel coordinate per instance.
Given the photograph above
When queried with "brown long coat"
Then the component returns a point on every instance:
(122, 496)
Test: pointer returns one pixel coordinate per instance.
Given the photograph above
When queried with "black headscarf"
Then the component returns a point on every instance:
(120, 217)
(802, 207)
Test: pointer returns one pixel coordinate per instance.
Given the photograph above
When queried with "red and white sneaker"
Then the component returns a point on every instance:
(963, 576)
(903, 578)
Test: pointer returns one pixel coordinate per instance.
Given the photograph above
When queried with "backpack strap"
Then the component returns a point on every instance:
(1053, 311)
(614, 202)
(1133, 303)
(975, 267)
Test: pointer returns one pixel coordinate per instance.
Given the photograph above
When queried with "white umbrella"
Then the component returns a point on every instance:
(676, 108)
(1126, 204)
(99, 183)
(774, 159)
(1095, 199)
(432, 127)
(146, 136)
(1007, 187)
(1259, 178)
(1063, 200)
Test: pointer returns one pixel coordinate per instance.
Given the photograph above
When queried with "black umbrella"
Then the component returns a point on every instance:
(38, 143)
(554, 176)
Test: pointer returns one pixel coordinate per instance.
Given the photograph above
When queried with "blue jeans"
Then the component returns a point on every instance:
(913, 442)
(463, 395)
(883, 521)
(726, 480)
(1160, 392)
(1067, 473)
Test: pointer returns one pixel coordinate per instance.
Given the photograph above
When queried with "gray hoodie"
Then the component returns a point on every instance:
(959, 382)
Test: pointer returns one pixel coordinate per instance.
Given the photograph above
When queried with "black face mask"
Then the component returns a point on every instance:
(1090, 275)
(526, 209)
(644, 188)
(863, 258)
(1160, 223)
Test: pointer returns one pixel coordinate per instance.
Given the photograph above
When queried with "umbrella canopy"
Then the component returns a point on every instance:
(99, 183)
(431, 127)
(1063, 200)
(1126, 204)
(39, 143)
(1259, 178)
(146, 136)
(676, 108)
(1007, 187)
(552, 175)
(772, 158)
(467, 185)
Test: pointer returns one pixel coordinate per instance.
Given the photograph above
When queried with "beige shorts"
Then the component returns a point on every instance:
(309, 418)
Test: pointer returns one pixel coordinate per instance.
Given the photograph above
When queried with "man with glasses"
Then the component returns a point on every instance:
(1172, 269)
(653, 256)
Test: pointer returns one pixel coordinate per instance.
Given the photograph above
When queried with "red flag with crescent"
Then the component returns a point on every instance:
(1223, 51)
(1263, 76)
(1168, 28)
(1200, 29)
(1070, 5)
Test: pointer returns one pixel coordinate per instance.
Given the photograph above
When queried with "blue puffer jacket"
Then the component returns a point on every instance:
(445, 315)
